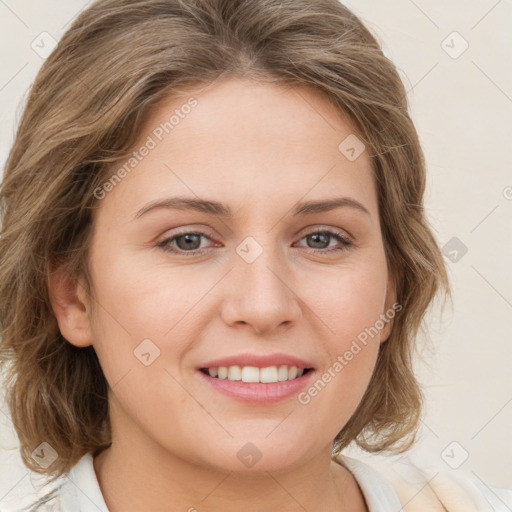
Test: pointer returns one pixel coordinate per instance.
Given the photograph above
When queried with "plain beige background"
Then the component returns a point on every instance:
(454, 58)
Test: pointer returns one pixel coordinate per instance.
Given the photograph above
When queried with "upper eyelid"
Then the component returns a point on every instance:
(307, 230)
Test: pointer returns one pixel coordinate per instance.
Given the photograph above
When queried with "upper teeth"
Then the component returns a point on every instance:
(268, 374)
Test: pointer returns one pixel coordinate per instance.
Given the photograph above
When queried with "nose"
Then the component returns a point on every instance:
(261, 294)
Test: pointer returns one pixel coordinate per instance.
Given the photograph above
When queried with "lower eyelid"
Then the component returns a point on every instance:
(341, 238)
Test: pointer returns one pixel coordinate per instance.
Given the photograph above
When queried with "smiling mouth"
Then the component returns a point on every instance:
(266, 375)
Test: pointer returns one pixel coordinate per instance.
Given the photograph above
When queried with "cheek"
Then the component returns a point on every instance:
(144, 298)
(350, 310)
(348, 300)
(339, 386)
(145, 314)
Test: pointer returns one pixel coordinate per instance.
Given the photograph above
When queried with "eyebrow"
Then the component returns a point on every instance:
(216, 208)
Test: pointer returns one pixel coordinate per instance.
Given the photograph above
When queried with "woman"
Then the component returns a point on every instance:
(214, 261)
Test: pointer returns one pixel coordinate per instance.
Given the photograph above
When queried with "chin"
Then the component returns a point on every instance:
(261, 455)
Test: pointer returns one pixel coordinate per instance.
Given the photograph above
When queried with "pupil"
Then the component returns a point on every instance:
(317, 235)
(188, 240)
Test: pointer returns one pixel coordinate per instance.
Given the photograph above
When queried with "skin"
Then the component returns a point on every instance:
(259, 148)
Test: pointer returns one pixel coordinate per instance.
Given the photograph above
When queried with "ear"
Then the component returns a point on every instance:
(71, 306)
(391, 307)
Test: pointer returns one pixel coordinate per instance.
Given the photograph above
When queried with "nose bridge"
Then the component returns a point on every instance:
(261, 295)
(264, 275)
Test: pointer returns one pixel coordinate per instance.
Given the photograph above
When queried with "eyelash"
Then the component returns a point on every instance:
(345, 242)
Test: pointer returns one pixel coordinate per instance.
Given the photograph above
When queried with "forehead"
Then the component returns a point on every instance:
(240, 140)
(251, 111)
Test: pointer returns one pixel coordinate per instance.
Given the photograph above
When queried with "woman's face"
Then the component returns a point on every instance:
(204, 256)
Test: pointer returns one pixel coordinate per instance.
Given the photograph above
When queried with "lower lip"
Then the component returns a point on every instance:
(257, 392)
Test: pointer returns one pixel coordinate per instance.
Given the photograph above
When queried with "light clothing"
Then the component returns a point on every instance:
(79, 491)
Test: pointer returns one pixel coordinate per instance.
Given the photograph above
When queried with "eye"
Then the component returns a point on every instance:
(320, 237)
(189, 242)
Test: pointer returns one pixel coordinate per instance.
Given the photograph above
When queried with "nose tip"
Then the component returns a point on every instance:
(261, 298)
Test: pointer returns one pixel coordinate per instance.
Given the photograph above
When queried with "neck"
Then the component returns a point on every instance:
(130, 485)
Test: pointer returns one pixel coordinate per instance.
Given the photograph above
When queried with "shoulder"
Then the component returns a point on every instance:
(25, 490)
(22, 490)
(384, 479)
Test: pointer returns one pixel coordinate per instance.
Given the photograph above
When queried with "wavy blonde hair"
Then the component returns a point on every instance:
(84, 113)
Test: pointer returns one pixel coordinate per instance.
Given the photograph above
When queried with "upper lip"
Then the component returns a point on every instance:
(260, 361)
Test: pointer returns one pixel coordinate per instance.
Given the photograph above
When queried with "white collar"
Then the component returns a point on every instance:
(378, 492)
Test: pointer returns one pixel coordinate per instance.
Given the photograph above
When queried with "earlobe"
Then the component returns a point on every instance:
(70, 305)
